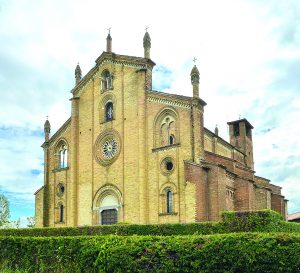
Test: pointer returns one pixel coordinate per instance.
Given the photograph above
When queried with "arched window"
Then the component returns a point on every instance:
(168, 131)
(63, 156)
(107, 205)
(109, 111)
(61, 213)
(106, 81)
(169, 196)
(171, 139)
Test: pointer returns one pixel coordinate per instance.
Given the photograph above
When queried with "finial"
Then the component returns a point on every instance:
(195, 79)
(216, 130)
(108, 41)
(194, 60)
(147, 44)
(146, 29)
(47, 129)
(77, 73)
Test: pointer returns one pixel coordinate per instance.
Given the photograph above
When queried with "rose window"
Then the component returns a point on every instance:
(109, 148)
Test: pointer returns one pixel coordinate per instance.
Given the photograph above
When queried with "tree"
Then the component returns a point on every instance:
(31, 221)
(4, 210)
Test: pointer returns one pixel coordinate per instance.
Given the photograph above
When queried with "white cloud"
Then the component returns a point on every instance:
(246, 51)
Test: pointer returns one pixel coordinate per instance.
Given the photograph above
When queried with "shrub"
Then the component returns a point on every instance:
(264, 220)
(260, 221)
(125, 229)
(238, 252)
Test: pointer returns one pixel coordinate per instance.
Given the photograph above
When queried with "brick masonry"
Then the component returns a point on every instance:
(209, 175)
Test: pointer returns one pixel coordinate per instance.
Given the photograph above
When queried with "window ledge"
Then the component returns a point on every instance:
(166, 147)
(103, 122)
(60, 169)
(107, 89)
(168, 214)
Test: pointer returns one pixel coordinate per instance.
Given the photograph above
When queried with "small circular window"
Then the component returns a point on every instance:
(60, 190)
(167, 165)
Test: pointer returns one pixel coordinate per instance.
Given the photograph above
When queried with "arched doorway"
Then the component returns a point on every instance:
(108, 210)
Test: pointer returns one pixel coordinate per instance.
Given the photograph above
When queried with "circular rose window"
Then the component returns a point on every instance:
(107, 147)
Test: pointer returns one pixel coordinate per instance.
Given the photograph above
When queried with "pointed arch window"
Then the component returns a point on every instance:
(109, 111)
(169, 200)
(63, 156)
(106, 81)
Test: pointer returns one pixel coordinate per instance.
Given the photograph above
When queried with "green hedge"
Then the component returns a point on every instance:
(257, 221)
(262, 221)
(160, 229)
(236, 252)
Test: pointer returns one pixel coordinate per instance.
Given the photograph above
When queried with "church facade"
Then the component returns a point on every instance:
(130, 154)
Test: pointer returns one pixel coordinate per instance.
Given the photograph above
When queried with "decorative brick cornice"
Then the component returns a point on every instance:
(175, 100)
(169, 102)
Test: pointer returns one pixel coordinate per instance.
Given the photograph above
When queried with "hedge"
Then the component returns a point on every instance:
(236, 252)
(125, 230)
(262, 221)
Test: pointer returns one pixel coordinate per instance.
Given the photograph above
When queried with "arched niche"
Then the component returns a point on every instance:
(166, 128)
(107, 205)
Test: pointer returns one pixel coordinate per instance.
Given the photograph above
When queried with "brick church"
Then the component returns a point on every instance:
(135, 155)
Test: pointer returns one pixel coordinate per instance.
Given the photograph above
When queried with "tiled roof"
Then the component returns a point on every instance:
(293, 216)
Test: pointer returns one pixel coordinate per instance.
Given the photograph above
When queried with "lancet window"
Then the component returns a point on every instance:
(63, 156)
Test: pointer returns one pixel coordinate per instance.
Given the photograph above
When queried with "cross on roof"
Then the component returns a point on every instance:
(146, 28)
(194, 60)
(109, 30)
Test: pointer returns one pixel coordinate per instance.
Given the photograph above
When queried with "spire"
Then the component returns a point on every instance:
(195, 79)
(77, 73)
(147, 44)
(47, 129)
(108, 42)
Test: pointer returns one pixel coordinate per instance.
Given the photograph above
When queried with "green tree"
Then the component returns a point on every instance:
(31, 221)
(4, 210)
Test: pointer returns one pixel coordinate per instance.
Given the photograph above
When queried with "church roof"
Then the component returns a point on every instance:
(293, 216)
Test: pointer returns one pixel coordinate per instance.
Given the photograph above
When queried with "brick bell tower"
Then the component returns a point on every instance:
(240, 132)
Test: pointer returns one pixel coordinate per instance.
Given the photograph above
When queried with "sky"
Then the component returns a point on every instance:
(247, 52)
